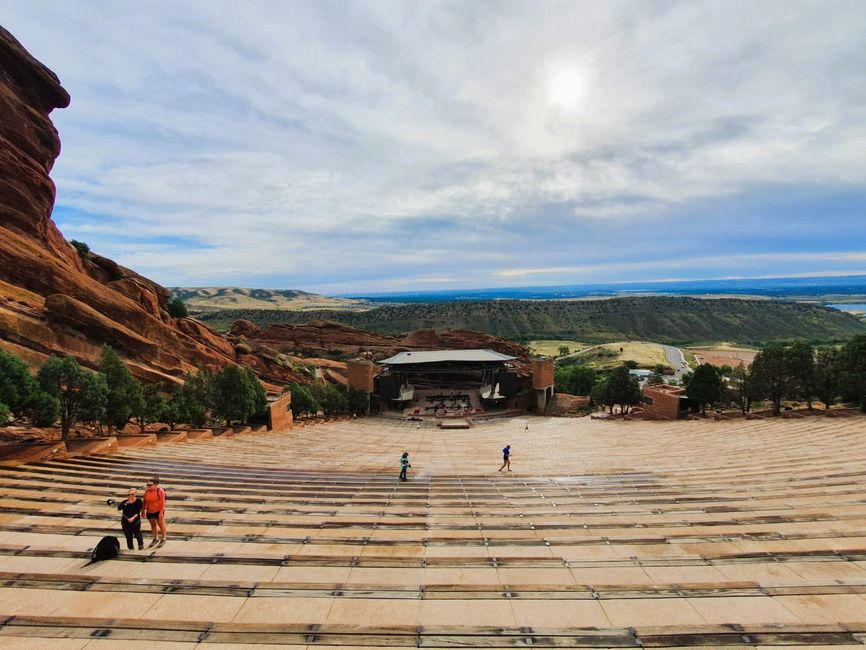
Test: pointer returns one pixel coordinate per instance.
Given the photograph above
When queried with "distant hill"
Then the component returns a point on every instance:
(205, 299)
(676, 320)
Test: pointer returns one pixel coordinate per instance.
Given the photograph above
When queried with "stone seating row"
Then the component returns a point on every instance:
(604, 535)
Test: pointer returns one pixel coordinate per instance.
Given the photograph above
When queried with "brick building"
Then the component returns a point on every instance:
(664, 402)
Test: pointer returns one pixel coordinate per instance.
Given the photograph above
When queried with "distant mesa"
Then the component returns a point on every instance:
(205, 299)
(666, 319)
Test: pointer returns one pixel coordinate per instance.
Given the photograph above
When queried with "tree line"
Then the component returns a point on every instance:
(327, 399)
(795, 371)
(111, 397)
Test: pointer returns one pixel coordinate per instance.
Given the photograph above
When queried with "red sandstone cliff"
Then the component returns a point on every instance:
(330, 337)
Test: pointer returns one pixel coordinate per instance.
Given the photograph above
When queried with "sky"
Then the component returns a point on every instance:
(346, 147)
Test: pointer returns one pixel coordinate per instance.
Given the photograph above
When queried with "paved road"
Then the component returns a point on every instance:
(677, 360)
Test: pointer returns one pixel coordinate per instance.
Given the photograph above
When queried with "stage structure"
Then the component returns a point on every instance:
(453, 383)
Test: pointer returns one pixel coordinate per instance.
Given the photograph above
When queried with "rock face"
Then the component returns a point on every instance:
(55, 300)
(326, 336)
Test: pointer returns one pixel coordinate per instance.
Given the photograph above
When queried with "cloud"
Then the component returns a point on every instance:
(324, 144)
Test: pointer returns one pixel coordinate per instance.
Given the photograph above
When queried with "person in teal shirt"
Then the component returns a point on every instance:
(404, 465)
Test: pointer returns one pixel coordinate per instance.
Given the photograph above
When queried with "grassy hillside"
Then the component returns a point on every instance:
(664, 319)
(202, 299)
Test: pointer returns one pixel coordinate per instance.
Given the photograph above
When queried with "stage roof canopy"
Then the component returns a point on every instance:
(440, 356)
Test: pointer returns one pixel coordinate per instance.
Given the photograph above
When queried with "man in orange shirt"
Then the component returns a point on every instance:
(154, 507)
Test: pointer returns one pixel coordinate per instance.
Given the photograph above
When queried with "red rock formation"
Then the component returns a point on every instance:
(53, 300)
(327, 336)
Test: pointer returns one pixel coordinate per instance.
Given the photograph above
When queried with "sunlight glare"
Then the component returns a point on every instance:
(565, 89)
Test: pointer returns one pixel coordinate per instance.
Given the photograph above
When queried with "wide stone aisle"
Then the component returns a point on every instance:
(604, 535)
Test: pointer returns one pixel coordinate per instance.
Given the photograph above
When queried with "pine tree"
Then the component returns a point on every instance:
(122, 389)
(71, 385)
(705, 386)
(148, 407)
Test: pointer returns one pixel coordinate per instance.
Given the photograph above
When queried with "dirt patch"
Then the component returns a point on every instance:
(724, 356)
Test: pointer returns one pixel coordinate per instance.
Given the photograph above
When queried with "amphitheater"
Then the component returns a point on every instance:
(604, 534)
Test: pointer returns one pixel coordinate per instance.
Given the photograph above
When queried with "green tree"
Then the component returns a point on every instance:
(65, 380)
(800, 371)
(853, 375)
(705, 386)
(320, 394)
(743, 390)
(336, 402)
(359, 401)
(44, 409)
(623, 389)
(93, 407)
(233, 395)
(563, 350)
(826, 376)
(16, 383)
(260, 397)
(303, 401)
(174, 409)
(176, 308)
(197, 397)
(4, 414)
(238, 394)
(574, 379)
(660, 369)
(123, 390)
(601, 395)
(769, 373)
(149, 406)
(655, 379)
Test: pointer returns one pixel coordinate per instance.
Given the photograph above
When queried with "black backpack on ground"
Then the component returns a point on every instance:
(107, 549)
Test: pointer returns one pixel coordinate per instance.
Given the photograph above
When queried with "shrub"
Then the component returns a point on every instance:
(16, 384)
(44, 409)
(177, 308)
(4, 415)
(82, 248)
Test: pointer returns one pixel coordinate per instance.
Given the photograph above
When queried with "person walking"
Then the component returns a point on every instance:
(154, 507)
(404, 465)
(506, 458)
(130, 520)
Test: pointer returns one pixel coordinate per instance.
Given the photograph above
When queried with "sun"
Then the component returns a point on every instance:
(565, 89)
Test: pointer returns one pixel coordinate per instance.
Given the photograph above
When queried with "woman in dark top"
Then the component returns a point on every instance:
(131, 519)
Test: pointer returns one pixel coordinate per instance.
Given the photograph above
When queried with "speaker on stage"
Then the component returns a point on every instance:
(507, 383)
(389, 386)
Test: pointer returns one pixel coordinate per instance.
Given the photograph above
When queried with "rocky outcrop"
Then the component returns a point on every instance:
(335, 338)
